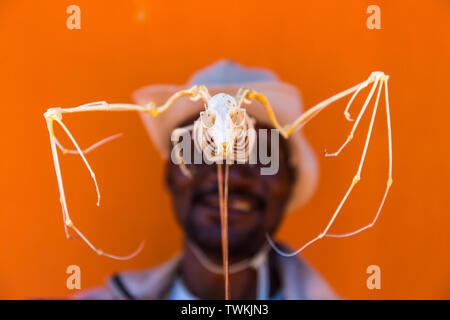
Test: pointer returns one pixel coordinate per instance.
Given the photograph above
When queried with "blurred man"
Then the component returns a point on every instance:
(256, 204)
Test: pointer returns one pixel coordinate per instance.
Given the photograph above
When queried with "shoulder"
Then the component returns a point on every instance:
(152, 283)
(300, 280)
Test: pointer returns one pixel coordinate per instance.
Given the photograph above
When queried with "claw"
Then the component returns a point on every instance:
(347, 116)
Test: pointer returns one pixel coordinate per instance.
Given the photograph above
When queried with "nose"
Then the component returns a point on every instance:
(224, 148)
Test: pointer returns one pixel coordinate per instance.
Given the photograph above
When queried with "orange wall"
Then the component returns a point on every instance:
(321, 47)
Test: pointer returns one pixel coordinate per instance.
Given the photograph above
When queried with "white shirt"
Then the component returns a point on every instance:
(180, 292)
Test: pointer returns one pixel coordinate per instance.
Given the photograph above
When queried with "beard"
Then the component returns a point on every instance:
(242, 244)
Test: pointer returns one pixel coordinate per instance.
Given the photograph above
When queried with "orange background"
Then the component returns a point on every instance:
(321, 47)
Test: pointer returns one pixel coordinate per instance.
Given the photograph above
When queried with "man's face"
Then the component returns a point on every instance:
(256, 203)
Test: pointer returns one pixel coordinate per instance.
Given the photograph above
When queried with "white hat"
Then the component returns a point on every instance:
(227, 76)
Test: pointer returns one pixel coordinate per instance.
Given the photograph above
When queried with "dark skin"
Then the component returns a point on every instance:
(256, 206)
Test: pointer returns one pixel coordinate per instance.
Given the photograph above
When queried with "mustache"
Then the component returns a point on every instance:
(232, 191)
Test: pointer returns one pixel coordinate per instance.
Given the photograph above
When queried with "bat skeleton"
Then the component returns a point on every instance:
(221, 132)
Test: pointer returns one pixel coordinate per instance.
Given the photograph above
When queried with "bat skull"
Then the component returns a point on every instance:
(221, 120)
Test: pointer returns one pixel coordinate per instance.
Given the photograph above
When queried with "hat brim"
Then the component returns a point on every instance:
(285, 100)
